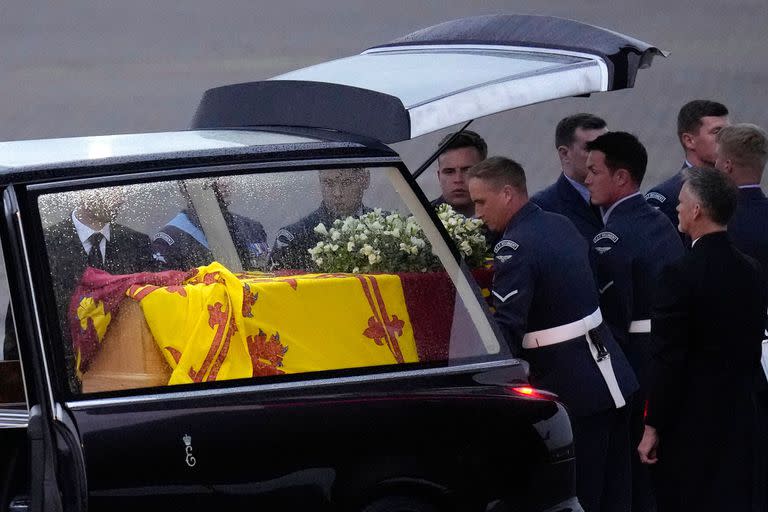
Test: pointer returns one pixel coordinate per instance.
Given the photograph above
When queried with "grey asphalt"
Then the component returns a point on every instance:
(94, 67)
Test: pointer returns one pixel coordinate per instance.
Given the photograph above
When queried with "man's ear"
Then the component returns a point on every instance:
(696, 211)
(728, 166)
(622, 177)
(509, 193)
(563, 153)
(687, 140)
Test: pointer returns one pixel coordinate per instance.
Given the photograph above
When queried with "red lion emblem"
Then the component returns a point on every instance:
(266, 355)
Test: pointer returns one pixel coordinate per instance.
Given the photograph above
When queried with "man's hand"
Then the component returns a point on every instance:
(648, 445)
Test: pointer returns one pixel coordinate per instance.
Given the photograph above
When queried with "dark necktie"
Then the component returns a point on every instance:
(94, 255)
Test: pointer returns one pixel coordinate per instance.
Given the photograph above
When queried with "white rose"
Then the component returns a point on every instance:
(418, 242)
(320, 229)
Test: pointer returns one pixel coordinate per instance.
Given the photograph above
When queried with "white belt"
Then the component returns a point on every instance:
(562, 333)
(573, 330)
(640, 326)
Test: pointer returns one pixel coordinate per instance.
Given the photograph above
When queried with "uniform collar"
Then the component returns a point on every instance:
(325, 213)
(522, 213)
(750, 193)
(607, 213)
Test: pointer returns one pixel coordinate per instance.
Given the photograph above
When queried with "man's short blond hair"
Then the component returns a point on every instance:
(746, 144)
(500, 171)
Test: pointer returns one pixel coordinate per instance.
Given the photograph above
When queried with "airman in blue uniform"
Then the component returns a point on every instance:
(181, 244)
(342, 191)
(742, 153)
(568, 195)
(698, 124)
(466, 150)
(629, 255)
(547, 307)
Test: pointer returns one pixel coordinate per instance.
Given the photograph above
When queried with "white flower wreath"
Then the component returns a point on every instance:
(379, 242)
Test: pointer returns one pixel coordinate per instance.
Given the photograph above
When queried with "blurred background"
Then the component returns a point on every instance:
(95, 67)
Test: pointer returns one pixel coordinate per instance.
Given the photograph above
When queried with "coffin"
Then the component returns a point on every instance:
(409, 320)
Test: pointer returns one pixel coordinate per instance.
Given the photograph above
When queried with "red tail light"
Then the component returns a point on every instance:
(529, 392)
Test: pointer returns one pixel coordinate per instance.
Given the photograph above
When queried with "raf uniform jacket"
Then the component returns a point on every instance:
(664, 196)
(181, 244)
(127, 251)
(292, 243)
(562, 198)
(708, 322)
(629, 254)
(542, 280)
(748, 228)
(437, 202)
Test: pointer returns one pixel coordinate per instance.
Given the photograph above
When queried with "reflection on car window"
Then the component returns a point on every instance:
(248, 276)
(11, 383)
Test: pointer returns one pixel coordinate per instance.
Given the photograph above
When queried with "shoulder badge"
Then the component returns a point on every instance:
(503, 258)
(165, 237)
(258, 248)
(506, 243)
(605, 234)
(655, 196)
(283, 238)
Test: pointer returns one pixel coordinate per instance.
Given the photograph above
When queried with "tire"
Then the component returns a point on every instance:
(400, 504)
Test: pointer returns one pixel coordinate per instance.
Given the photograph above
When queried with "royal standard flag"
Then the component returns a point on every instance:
(219, 325)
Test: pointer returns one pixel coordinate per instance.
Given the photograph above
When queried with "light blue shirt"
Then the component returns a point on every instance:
(580, 188)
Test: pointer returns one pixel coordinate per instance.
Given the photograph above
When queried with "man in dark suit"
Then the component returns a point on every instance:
(547, 307)
(629, 255)
(342, 191)
(698, 124)
(466, 150)
(707, 323)
(89, 237)
(568, 195)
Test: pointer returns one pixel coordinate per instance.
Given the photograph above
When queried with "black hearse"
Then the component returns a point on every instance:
(341, 391)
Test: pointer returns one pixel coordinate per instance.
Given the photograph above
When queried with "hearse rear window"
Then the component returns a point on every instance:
(259, 276)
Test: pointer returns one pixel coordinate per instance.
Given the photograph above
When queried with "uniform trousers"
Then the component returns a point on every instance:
(603, 467)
